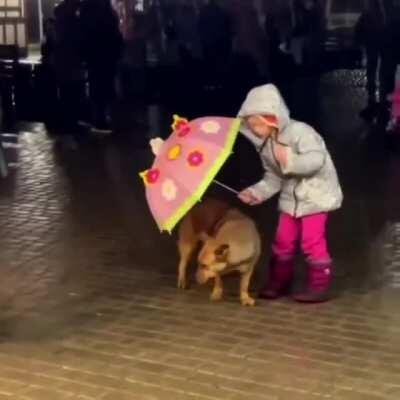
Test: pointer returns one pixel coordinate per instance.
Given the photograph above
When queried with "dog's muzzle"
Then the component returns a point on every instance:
(203, 274)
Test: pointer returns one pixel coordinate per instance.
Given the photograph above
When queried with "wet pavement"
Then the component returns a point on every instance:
(89, 308)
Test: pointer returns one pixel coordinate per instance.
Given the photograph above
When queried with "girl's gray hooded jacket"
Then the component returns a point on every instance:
(308, 184)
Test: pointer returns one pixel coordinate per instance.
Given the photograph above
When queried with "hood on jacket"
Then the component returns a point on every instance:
(263, 100)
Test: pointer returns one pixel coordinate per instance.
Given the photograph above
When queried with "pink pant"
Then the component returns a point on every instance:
(312, 231)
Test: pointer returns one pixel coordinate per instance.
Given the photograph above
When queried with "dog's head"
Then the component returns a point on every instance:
(212, 259)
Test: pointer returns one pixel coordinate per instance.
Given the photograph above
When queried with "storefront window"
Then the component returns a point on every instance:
(12, 23)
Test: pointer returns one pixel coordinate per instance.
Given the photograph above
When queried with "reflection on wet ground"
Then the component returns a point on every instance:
(89, 309)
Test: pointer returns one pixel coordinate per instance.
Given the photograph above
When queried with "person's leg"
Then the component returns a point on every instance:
(372, 68)
(65, 102)
(108, 95)
(387, 82)
(67, 123)
(104, 96)
(388, 72)
(6, 94)
(280, 271)
(370, 111)
(78, 94)
(315, 248)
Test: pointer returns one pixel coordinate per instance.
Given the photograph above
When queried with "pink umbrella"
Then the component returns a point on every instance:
(186, 165)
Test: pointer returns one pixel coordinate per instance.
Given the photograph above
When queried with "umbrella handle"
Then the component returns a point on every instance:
(226, 187)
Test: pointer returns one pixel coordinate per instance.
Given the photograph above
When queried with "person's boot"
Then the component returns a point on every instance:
(102, 122)
(370, 112)
(319, 282)
(384, 114)
(280, 278)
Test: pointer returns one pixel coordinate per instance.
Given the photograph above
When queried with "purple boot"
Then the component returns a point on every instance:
(318, 285)
(279, 279)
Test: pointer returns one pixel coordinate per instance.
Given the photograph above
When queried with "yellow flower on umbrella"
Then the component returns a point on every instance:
(174, 152)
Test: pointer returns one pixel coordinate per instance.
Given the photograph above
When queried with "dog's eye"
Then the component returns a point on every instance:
(221, 250)
(203, 266)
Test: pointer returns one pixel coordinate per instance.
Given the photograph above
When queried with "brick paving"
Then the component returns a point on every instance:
(89, 308)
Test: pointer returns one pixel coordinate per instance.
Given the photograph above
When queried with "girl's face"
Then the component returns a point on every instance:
(259, 127)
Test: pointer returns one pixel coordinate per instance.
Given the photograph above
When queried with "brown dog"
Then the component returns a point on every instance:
(230, 242)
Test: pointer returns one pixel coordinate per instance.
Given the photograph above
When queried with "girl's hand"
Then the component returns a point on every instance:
(247, 197)
(280, 154)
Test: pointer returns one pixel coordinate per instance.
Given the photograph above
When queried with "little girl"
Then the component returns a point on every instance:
(298, 165)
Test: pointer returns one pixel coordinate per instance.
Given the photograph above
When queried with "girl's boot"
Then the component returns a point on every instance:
(280, 278)
(318, 285)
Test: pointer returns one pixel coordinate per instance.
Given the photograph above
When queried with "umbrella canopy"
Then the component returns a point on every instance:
(186, 165)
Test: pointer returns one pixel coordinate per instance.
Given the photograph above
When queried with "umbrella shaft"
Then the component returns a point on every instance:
(226, 187)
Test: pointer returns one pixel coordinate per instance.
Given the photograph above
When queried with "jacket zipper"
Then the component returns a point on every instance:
(294, 188)
(295, 200)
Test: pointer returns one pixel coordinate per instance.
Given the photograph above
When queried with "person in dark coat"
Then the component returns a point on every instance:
(46, 77)
(68, 61)
(215, 30)
(307, 33)
(49, 44)
(103, 45)
(390, 52)
(369, 34)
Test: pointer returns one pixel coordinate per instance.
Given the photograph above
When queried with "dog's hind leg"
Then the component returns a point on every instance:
(245, 298)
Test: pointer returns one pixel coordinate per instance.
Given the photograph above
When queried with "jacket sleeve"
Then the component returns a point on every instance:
(309, 157)
(270, 185)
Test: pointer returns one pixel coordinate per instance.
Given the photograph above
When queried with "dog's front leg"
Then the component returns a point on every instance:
(217, 292)
(245, 298)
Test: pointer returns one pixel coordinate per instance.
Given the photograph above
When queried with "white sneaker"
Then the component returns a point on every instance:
(84, 124)
(101, 130)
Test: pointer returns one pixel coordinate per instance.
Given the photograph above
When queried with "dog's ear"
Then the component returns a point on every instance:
(203, 236)
(221, 252)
